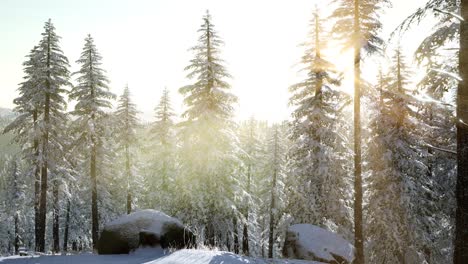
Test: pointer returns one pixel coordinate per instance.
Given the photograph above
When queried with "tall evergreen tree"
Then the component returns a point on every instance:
(400, 174)
(65, 182)
(13, 191)
(276, 169)
(208, 142)
(53, 75)
(28, 106)
(439, 137)
(317, 187)
(358, 23)
(387, 219)
(93, 97)
(442, 65)
(163, 161)
(126, 116)
(253, 180)
(164, 132)
(249, 175)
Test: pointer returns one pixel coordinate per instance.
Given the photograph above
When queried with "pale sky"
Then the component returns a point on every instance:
(145, 43)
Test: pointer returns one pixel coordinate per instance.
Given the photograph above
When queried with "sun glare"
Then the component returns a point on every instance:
(343, 61)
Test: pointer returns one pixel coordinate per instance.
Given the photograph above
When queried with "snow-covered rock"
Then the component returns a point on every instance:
(144, 228)
(305, 241)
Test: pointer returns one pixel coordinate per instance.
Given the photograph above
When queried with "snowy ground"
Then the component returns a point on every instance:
(151, 256)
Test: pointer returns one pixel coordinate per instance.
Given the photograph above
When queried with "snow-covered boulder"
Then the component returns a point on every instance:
(309, 242)
(144, 228)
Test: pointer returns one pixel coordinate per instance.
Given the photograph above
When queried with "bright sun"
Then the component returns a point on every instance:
(344, 64)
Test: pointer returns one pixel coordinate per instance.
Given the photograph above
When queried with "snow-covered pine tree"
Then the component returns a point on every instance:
(73, 197)
(53, 75)
(13, 191)
(439, 54)
(357, 24)
(93, 97)
(386, 229)
(267, 156)
(317, 186)
(251, 182)
(446, 27)
(250, 144)
(111, 175)
(399, 189)
(27, 134)
(208, 143)
(61, 172)
(127, 119)
(68, 185)
(276, 171)
(439, 137)
(162, 157)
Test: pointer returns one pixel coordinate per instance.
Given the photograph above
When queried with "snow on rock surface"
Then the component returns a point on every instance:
(305, 241)
(150, 220)
(125, 233)
(153, 256)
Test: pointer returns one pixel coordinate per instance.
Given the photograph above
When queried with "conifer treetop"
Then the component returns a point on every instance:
(92, 91)
(127, 117)
(208, 97)
(344, 17)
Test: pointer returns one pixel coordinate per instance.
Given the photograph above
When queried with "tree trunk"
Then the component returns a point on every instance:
(44, 171)
(67, 227)
(9, 242)
(430, 173)
(45, 157)
(245, 234)
(245, 241)
(461, 228)
(37, 184)
(261, 239)
(55, 216)
(127, 168)
(319, 71)
(273, 198)
(236, 235)
(94, 205)
(164, 171)
(17, 240)
(272, 220)
(43, 208)
(210, 233)
(228, 242)
(358, 228)
(94, 202)
(401, 114)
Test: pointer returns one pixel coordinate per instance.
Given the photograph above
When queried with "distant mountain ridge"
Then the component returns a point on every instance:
(6, 113)
(7, 145)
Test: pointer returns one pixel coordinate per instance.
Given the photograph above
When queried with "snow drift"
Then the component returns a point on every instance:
(152, 256)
